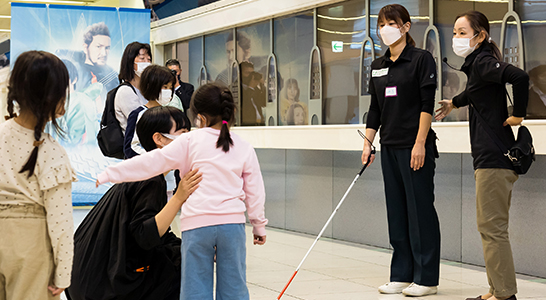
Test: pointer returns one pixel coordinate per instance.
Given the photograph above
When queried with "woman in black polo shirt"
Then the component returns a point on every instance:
(402, 86)
(495, 176)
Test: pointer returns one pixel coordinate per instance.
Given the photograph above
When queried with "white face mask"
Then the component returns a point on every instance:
(461, 46)
(390, 34)
(165, 97)
(140, 67)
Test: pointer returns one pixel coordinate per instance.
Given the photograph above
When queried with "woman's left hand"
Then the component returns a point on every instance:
(417, 156)
(512, 121)
(188, 184)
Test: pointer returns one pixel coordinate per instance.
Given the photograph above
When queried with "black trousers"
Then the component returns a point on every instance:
(414, 230)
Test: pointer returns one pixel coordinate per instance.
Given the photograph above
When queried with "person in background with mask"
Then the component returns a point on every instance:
(157, 84)
(183, 90)
(402, 85)
(494, 174)
(135, 59)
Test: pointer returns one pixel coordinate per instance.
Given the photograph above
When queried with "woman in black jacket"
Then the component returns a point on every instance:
(495, 176)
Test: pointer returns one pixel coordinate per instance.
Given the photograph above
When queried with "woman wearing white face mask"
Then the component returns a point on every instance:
(136, 58)
(157, 85)
(403, 85)
(494, 173)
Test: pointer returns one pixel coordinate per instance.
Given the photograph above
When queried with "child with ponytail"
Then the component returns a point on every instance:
(36, 223)
(213, 217)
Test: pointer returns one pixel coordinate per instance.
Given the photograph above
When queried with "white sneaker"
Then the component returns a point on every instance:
(393, 287)
(419, 290)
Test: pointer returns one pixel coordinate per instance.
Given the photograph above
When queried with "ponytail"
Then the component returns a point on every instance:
(495, 48)
(409, 39)
(227, 107)
(11, 113)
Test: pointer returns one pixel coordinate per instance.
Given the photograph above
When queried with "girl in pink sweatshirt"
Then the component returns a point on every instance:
(213, 217)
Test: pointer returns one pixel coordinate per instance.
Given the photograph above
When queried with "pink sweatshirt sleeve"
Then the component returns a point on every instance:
(147, 165)
(254, 189)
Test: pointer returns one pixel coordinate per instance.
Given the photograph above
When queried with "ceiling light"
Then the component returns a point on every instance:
(5, 30)
(5, 17)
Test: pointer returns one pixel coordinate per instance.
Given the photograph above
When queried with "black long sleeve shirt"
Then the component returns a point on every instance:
(487, 78)
(400, 91)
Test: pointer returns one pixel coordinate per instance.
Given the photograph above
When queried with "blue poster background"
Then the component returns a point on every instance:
(60, 29)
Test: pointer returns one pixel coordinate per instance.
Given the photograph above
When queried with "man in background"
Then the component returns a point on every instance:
(96, 47)
(183, 90)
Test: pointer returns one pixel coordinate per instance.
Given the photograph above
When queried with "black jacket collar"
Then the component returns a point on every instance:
(485, 48)
(405, 55)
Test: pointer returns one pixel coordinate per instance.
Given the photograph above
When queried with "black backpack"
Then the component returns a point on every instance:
(110, 136)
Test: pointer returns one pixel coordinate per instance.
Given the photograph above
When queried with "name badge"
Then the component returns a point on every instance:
(380, 72)
(390, 91)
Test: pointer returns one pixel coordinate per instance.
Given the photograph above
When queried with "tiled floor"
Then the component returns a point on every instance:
(338, 270)
(344, 271)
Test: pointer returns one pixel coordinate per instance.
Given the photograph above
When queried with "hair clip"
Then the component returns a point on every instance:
(38, 143)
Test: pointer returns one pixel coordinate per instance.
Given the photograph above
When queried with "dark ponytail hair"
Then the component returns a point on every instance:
(479, 23)
(216, 103)
(397, 13)
(38, 82)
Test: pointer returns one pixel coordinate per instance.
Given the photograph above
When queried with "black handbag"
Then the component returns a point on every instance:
(521, 154)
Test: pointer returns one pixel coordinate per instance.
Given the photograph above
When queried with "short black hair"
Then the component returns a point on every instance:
(173, 62)
(95, 29)
(159, 119)
(126, 68)
(152, 80)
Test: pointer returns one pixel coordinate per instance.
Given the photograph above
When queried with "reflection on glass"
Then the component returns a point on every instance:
(453, 81)
(235, 87)
(533, 17)
(293, 41)
(219, 52)
(343, 23)
(203, 78)
(366, 67)
(272, 80)
(195, 54)
(168, 52)
(253, 49)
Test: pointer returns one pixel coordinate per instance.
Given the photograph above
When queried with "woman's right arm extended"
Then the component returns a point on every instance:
(147, 165)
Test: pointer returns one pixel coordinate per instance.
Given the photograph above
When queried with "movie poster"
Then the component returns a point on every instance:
(90, 41)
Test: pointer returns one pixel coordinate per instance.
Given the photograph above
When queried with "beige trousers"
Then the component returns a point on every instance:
(493, 196)
(26, 258)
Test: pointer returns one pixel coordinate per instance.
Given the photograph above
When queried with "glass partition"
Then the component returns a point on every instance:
(183, 56)
(340, 32)
(533, 17)
(253, 49)
(292, 44)
(219, 52)
(195, 54)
